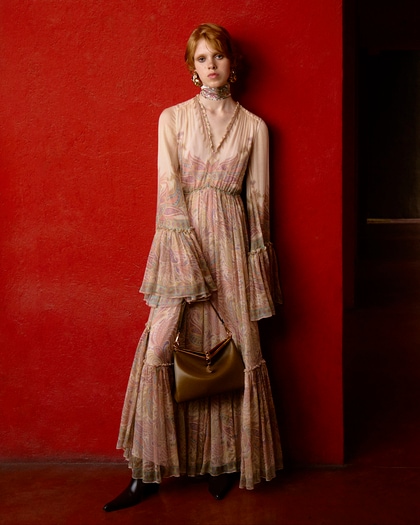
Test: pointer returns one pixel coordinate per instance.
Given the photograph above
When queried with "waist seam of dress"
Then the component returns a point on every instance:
(212, 187)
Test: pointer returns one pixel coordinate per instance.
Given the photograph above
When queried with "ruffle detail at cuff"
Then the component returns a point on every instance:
(176, 269)
(264, 285)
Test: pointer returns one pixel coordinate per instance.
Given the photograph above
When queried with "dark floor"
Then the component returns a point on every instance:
(380, 484)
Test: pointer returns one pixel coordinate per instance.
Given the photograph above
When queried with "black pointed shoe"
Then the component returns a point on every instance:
(135, 493)
(220, 485)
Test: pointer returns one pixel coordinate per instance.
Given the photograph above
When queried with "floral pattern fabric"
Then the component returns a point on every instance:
(209, 244)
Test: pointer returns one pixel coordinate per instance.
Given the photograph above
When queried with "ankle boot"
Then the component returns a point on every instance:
(135, 493)
(220, 485)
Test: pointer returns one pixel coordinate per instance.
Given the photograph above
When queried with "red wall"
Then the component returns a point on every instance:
(83, 83)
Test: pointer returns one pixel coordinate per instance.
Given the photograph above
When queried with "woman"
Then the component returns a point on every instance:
(207, 245)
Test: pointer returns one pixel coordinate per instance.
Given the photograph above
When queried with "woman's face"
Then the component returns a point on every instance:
(212, 67)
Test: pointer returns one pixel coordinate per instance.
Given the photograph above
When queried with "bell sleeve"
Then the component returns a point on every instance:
(264, 286)
(176, 269)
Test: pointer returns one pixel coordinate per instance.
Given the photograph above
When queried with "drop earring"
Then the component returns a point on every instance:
(196, 79)
(232, 77)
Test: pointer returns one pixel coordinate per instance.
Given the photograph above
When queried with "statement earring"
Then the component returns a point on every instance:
(232, 77)
(196, 79)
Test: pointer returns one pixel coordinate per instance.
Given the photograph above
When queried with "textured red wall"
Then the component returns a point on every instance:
(83, 83)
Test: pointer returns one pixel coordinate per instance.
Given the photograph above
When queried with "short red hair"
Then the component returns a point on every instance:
(216, 36)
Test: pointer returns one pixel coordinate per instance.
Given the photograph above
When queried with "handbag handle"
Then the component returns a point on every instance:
(181, 319)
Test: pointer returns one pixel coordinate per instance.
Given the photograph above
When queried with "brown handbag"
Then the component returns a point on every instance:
(217, 371)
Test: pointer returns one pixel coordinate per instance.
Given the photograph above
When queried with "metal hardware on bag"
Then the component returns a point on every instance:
(208, 367)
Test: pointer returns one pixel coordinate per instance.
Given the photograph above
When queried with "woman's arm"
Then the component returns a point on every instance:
(176, 269)
(263, 274)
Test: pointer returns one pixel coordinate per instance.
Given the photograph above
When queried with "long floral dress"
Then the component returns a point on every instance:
(207, 244)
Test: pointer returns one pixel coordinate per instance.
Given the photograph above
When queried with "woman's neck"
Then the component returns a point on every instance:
(215, 93)
(217, 104)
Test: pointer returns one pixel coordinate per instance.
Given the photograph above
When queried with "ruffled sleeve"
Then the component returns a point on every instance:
(264, 286)
(176, 268)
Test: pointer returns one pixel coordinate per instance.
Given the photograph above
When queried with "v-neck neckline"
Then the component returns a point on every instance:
(204, 116)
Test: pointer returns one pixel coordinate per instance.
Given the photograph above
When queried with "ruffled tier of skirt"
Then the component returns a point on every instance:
(235, 432)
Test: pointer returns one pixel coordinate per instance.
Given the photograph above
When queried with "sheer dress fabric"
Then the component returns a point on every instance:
(207, 244)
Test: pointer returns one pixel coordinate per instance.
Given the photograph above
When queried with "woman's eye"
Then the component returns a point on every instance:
(220, 57)
(200, 59)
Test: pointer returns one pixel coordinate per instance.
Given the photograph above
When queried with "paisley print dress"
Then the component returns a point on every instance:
(212, 240)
